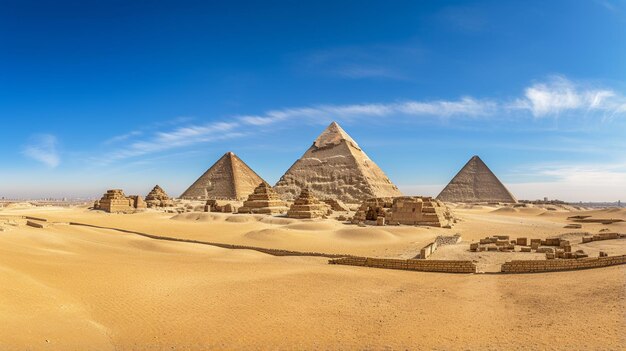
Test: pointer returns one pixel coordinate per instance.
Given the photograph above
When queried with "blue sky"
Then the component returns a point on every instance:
(128, 94)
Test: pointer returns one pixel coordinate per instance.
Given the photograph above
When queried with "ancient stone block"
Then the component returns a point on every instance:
(307, 206)
(522, 241)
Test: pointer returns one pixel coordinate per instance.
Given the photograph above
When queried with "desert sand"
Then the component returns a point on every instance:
(76, 287)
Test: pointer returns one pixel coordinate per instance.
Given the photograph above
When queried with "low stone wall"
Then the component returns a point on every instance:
(409, 265)
(530, 266)
(36, 224)
(428, 250)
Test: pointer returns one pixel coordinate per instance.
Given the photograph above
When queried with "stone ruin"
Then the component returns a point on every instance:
(372, 209)
(552, 247)
(216, 206)
(158, 198)
(308, 206)
(115, 201)
(264, 200)
(407, 210)
(418, 210)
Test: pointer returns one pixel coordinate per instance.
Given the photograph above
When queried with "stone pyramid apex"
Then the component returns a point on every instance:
(333, 135)
(475, 182)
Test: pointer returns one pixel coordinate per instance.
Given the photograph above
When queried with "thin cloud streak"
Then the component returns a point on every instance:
(43, 148)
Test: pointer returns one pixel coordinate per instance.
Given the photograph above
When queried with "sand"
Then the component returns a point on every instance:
(69, 287)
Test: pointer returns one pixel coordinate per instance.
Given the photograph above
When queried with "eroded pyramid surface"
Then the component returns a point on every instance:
(335, 167)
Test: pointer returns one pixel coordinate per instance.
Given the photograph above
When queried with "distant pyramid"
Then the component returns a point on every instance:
(228, 179)
(335, 167)
(475, 183)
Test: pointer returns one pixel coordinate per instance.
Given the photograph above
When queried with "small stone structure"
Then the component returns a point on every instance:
(114, 200)
(408, 210)
(158, 198)
(373, 208)
(216, 206)
(418, 210)
(308, 206)
(263, 200)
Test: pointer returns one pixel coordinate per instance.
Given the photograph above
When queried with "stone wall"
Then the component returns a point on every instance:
(530, 266)
(409, 265)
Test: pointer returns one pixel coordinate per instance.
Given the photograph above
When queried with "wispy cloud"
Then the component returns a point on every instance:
(551, 98)
(123, 137)
(43, 148)
(559, 95)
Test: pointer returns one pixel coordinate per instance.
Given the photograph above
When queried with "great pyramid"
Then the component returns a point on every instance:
(336, 167)
(475, 183)
(228, 179)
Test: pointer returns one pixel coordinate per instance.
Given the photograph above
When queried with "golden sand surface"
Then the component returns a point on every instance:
(68, 287)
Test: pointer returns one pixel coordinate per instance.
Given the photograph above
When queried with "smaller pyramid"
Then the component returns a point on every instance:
(475, 183)
(308, 206)
(228, 179)
(263, 200)
(157, 197)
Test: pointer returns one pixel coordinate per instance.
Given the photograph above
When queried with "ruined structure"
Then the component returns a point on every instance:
(336, 167)
(475, 183)
(308, 206)
(158, 198)
(408, 210)
(263, 200)
(373, 208)
(418, 210)
(228, 179)
(114, 200)
(215, 206)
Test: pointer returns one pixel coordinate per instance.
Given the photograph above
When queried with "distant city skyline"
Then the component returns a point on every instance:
(127, 95)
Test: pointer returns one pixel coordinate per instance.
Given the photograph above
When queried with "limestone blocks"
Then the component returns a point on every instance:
(264, 200)
(308, 206)
(115, 201)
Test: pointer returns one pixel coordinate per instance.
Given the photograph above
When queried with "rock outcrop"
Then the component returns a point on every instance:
(335, 167)
(476, 183)
(228, 179)
(263, 200)
(308, 206)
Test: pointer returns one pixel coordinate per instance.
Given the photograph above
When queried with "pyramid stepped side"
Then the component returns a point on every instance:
(335, 167)
(263, 200)
(228, 179)
(308, 206)
(476, 183)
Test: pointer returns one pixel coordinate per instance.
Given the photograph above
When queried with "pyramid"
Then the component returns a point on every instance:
(228, 179)
(335, 167)
(308, 206)
(263, 200)
(475, 183)
(157, 197)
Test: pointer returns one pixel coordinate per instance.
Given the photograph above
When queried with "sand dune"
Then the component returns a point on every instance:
(73, 287)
